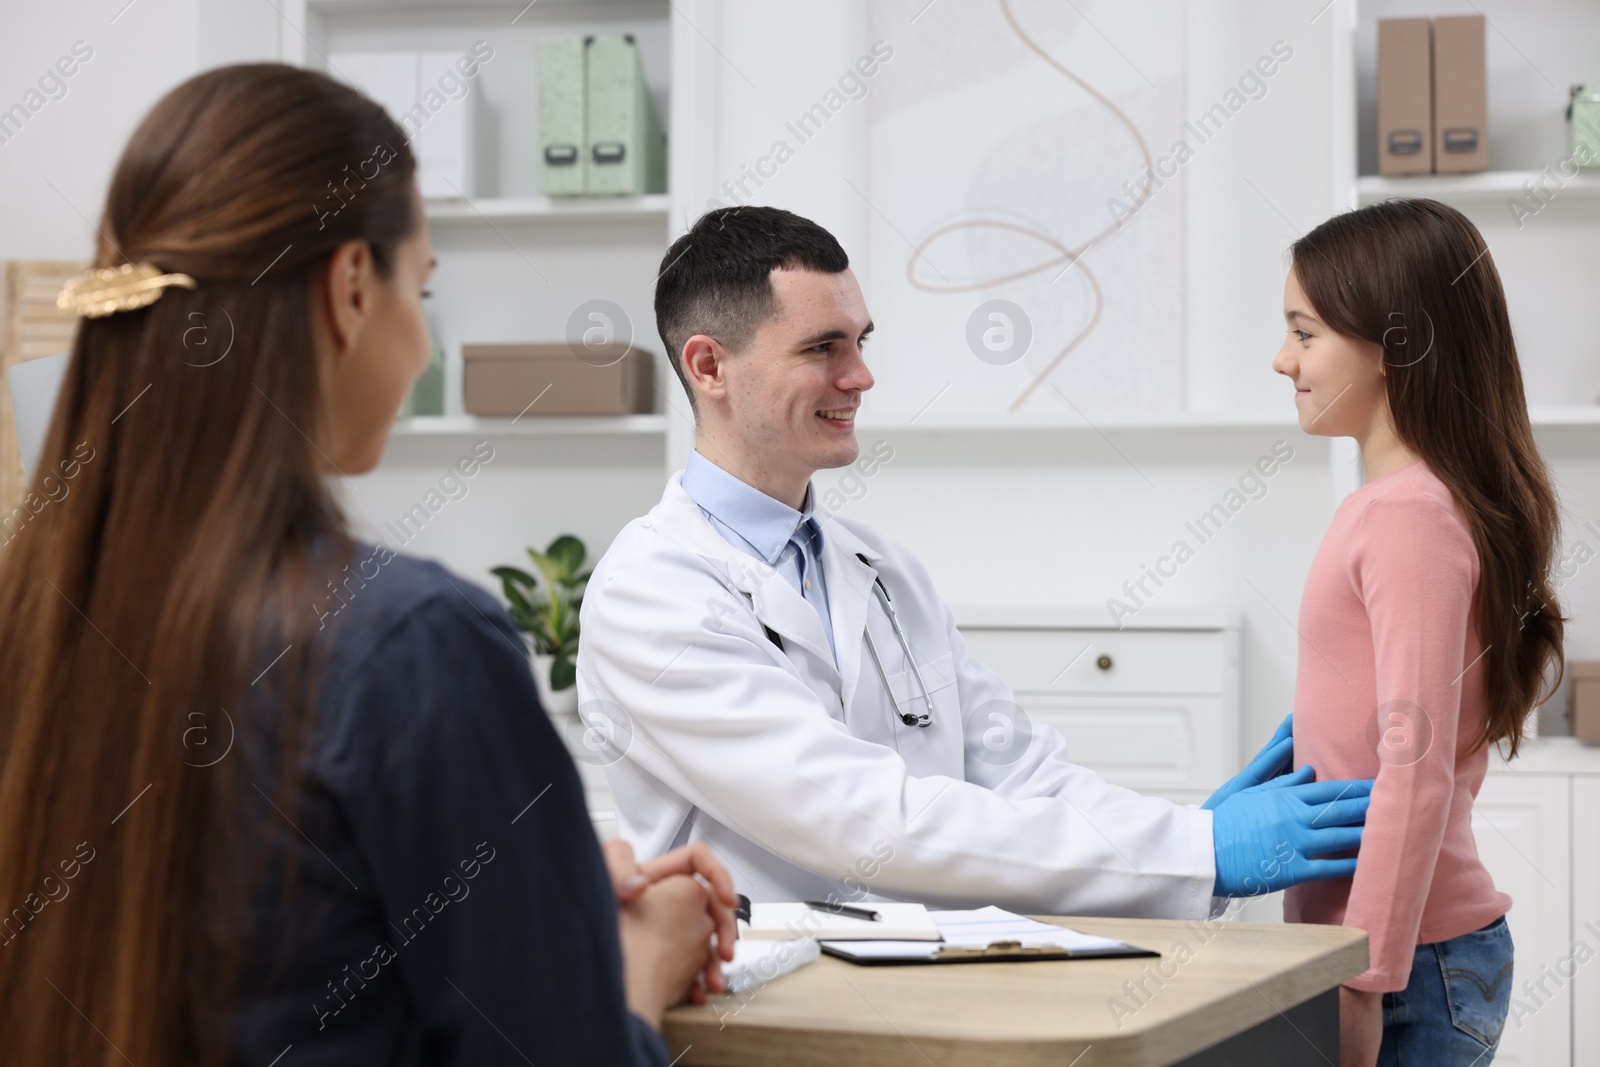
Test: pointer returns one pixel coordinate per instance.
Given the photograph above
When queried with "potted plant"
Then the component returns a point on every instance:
(545, 606)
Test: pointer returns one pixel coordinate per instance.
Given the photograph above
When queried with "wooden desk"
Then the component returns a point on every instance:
(1233, 994)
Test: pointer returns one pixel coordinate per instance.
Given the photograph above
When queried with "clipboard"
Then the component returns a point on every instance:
(865, 954)
(985, 935)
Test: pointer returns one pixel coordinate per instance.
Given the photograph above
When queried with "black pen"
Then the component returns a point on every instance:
(843, 909)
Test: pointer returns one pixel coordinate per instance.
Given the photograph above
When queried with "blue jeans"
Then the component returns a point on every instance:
(1452, 1011)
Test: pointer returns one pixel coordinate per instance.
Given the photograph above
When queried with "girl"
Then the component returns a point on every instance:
(236, 826)
(1428, 628)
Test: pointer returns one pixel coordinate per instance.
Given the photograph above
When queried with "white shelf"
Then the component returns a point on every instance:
(530, 425)
(1157, 421)
(1571, 415)
(1179, 422)
(649, 208)
(471, 7)
(1476, 188)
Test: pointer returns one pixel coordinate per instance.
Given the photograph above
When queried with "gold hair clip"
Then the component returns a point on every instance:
(94, 294)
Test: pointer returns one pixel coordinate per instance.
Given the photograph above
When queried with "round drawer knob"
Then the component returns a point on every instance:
(1104, 662)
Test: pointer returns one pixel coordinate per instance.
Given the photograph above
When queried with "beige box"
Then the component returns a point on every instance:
(1460, 95)
(1585, 700)
(505, 379)
(1405, 96)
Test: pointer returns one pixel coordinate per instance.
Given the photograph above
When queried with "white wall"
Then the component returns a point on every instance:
(140, 50)
(1261, 182)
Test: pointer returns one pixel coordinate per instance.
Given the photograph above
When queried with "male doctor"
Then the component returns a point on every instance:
(740, 651)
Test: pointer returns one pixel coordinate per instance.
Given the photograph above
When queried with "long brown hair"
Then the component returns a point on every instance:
(1415, 278)
(138, 606)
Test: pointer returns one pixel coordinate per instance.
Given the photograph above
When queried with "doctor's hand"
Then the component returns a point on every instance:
(666, 938)
(1274, 759)
(1267, 835)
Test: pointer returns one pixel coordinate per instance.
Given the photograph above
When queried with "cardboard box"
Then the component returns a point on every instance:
(1460, 95)
(504, 379)
(1405, 96)
(1585, 700)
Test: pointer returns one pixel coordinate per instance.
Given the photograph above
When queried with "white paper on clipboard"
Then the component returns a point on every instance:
(981, 929)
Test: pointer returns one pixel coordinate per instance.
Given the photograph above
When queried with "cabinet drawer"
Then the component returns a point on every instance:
(1165, 745)
(1136, 661)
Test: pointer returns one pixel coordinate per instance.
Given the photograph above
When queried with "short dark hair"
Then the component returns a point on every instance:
(716, 279)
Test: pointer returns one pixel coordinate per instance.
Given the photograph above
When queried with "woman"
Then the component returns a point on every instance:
(235, 826)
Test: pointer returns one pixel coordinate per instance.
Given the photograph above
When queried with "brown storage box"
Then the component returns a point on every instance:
(1460, 95)
(1405, 96)
(506, 379)
(1585, 700)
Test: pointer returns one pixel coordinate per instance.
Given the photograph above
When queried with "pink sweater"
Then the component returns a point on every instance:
(1388, 643)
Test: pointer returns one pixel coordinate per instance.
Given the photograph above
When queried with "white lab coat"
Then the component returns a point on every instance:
(798, 774)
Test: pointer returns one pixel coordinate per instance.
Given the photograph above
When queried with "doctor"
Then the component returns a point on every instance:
(740, 651)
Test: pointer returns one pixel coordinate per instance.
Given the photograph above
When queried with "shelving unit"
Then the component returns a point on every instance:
(1476, 188)
(1527, 144)
(515, 264)
(540, 209)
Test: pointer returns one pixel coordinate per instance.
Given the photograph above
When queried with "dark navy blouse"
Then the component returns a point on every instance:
(449, 901)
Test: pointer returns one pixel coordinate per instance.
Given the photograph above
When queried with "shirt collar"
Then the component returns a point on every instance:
(763, 521)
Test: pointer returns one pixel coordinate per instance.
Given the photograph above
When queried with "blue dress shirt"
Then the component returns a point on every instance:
(787, 540)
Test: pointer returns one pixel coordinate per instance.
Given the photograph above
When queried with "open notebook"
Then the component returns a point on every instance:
(985, 934)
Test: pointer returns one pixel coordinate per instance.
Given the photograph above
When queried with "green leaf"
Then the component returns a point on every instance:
(567, 552)
(519, 603)
(548, 568)
(508, 575)
(562, 620)
(545, 605)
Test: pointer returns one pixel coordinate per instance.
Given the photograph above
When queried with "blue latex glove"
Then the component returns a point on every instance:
(1266, 835)
(1275, 759)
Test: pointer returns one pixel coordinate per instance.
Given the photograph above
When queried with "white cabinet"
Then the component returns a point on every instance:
(1153, 708)
(1535, 823)
(1522, 824)
(1586, 917)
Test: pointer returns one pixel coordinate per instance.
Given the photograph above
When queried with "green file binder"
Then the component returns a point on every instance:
(563, 149)
(627, 153)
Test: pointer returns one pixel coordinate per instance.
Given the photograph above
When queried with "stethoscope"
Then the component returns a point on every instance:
(906, 717)
(925, 719)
